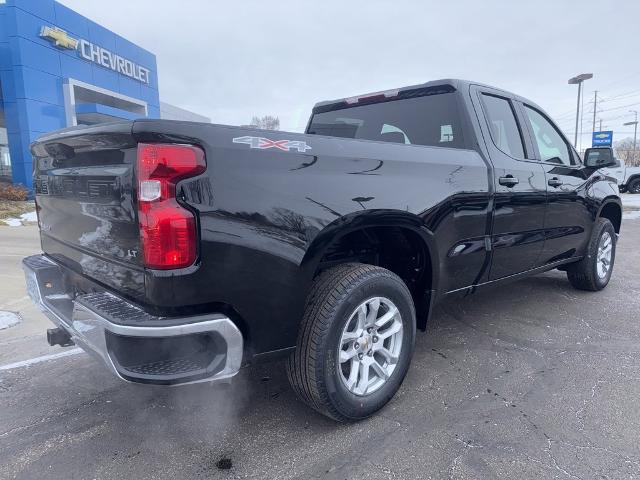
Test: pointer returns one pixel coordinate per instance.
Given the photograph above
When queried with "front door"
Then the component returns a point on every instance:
(517, 234)
(569, 217)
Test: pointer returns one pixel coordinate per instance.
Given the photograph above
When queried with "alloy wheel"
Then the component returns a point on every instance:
(605, 253)
(370, 346)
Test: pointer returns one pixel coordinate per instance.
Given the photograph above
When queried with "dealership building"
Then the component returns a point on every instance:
(59, 69)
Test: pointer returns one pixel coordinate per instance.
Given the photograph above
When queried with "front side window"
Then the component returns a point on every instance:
(425, 120)
(552, 147)
(503, 126)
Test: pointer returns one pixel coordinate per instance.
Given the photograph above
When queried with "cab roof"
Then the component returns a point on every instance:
(433, 87)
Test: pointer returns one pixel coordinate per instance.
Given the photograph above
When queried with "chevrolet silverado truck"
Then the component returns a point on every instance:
(178, 252)
(628, 178)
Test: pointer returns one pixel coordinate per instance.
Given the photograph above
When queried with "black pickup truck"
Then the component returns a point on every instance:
(179, 252)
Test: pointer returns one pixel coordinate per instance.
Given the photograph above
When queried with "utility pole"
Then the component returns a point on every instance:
(573, 81)
(595, 104)
(600, 129)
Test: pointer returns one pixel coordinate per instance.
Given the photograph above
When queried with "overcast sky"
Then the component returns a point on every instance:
(231, 60)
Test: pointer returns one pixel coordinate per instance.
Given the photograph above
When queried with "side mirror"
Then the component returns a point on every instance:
(599, 157)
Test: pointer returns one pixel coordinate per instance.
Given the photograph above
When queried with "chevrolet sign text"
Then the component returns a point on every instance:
(104, 57)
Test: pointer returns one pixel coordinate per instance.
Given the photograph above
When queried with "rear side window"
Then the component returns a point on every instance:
(432, 120)
(503, 125)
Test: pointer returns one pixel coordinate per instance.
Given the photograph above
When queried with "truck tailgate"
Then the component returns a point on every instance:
(83, 180)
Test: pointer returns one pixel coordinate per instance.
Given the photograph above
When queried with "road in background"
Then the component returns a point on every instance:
(534, 380)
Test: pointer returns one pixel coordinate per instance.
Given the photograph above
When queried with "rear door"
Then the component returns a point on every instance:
(569, 218)
(517, 235)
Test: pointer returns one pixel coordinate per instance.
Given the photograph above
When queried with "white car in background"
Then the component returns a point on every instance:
(628, 177)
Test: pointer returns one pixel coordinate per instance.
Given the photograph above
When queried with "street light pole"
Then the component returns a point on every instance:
(595, 104)
(635, 131)
(575, 139)
(578, 79)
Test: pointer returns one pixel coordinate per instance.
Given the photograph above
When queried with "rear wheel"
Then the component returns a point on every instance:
(593, 272)
(355, 342)
(634, 186)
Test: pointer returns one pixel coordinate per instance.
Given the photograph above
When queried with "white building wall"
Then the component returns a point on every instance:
(171, 112)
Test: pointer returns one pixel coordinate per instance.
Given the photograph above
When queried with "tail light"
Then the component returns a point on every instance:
(167, 229)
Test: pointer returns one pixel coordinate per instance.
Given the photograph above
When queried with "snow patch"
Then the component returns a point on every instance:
(13, 222)
(8, 319)
(630, 200)
(29, 217)
(631, 205)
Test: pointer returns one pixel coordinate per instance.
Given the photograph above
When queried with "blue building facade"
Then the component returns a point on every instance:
(59, 69)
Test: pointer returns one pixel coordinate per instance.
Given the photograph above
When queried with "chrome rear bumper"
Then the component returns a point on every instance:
(136, 346)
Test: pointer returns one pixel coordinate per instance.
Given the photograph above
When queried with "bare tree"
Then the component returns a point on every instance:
(268, 122)
(624, 150)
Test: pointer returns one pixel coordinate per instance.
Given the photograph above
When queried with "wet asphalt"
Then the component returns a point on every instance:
(533, 380)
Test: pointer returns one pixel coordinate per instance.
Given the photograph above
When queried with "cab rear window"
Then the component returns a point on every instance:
(432, 120)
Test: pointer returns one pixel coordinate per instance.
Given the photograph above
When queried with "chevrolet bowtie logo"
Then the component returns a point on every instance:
(59, 37)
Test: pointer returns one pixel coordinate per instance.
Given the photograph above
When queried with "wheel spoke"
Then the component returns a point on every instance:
(393, 329)
(362, 318)
(353, 374)
(387, 317)
(388, 356)
(363, 380)
(374, 306)
(349, 336)
(380, 370)
(347, 354)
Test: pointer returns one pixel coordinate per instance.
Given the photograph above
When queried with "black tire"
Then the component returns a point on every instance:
(583, 275)
(313, 368)
(634, 186)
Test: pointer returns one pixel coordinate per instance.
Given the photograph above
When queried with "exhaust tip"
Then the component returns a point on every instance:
(58, 336)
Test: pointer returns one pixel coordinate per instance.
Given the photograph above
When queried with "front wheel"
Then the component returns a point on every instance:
(634, 186)
(593, 272)
(355, 342)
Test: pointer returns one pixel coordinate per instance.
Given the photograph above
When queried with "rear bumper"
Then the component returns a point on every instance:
(134, 345)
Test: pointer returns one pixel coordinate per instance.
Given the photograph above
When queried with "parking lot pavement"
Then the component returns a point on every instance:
(23, 341)
(535, 380)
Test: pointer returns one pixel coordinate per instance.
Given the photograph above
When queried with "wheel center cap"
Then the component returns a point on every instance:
(365, 342)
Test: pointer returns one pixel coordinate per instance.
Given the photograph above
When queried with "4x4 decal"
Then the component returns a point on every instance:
(265, 143)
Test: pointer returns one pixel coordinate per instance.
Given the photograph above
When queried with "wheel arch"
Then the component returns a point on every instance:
(382, 226)
(611, 209)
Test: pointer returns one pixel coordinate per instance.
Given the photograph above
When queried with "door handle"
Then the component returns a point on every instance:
(554, 182)
(508, 181)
